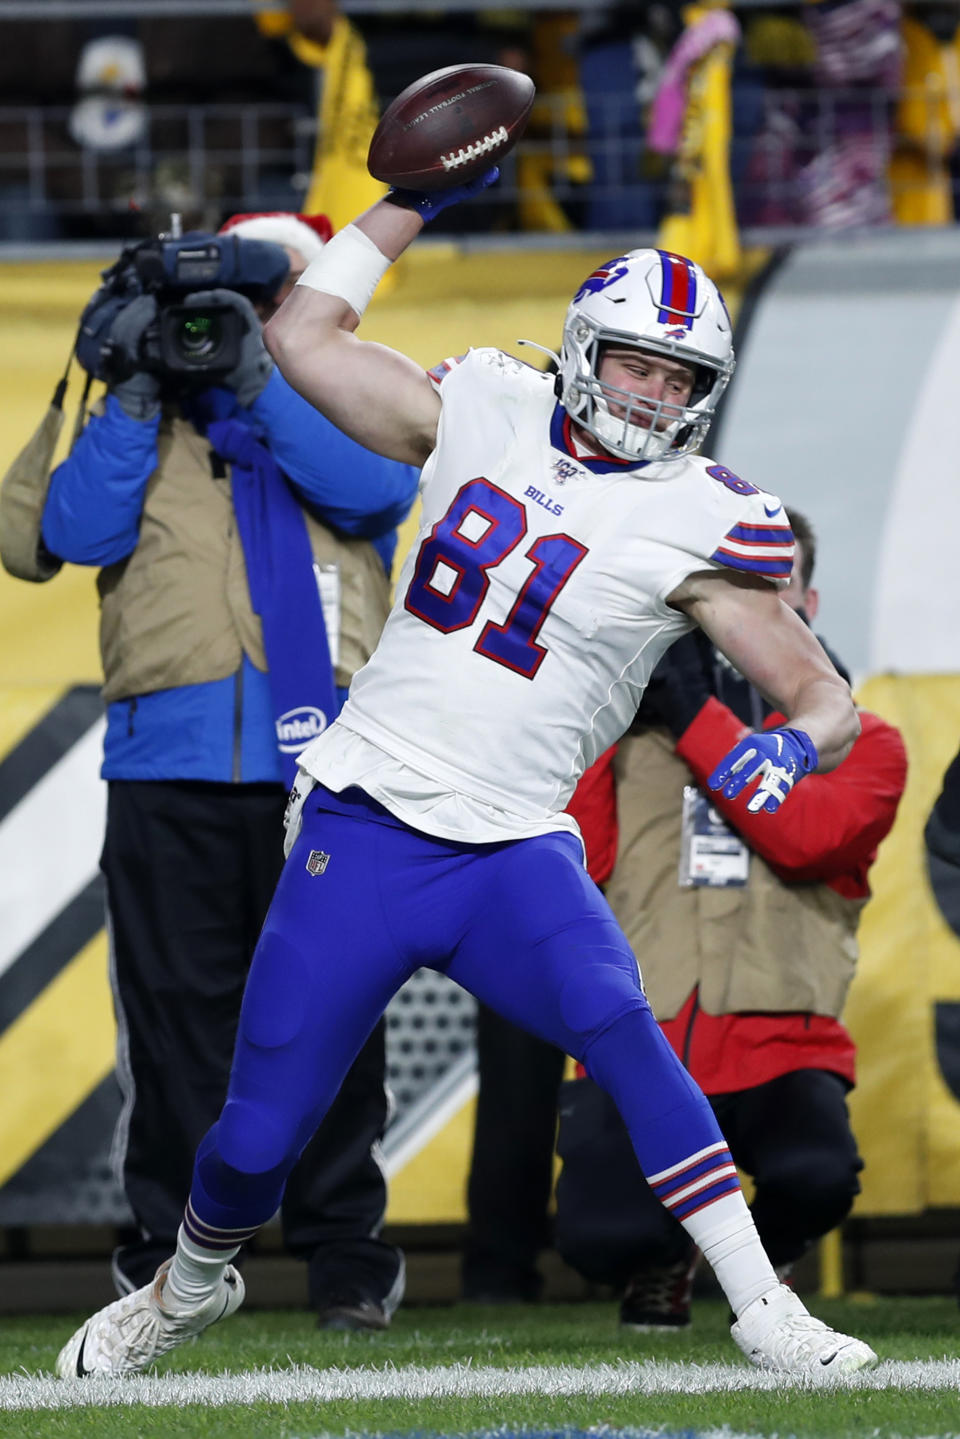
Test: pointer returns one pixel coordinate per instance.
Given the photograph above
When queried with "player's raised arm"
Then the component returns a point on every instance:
(374, 394)
(772, 647)
(438, 142)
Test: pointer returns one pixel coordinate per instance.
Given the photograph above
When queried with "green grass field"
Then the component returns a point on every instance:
(465, 1370)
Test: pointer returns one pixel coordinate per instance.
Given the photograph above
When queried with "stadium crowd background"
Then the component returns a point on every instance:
(819, 114)
(806, 156)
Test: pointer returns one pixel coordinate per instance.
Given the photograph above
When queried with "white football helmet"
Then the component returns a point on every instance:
(661, 303)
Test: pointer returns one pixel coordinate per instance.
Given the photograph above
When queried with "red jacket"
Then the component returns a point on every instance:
(828, 834)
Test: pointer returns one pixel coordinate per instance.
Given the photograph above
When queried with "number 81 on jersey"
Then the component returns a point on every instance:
(482, 526)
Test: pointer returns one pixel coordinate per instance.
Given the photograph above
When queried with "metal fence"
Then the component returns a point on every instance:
(803, 158)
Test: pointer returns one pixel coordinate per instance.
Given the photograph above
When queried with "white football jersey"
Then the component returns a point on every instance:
(531, 609)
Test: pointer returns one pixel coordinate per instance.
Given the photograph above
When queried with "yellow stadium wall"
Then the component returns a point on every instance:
(906, 1117)
(904, 1114)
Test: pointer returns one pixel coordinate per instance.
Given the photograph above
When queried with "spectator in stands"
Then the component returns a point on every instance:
(216, 516)
(773, 73)
(355, 63)
(691, 120)
(621, 50)
(849, 129)
(511, 1167)
(747, 943)
(923, 170)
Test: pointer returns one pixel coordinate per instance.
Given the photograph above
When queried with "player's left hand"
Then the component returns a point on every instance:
(428, 204)
(781, 757)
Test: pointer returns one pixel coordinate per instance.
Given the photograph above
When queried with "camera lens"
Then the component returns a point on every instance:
(199, 337)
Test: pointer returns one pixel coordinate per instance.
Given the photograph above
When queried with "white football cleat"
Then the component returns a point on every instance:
(776, 1332)
(133, 1331)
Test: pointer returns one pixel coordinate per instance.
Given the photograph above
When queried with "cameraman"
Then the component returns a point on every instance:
(204, 506)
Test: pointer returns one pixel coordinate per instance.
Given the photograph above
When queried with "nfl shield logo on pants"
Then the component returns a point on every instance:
(317, 861)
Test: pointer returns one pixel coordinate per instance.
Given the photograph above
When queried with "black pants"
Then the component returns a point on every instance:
(791, 1135)
(511, 1171)
(190, 870)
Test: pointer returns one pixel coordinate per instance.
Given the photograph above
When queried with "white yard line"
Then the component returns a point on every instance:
(300, 1383)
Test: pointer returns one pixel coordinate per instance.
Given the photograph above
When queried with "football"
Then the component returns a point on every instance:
(450, 126)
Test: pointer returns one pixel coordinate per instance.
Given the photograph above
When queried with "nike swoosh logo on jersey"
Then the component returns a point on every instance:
(770, 513)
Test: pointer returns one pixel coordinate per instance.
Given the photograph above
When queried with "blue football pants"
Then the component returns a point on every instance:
(520, 925)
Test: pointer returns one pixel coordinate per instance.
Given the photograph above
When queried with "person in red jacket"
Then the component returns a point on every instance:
(746, 962)
(511, 1167)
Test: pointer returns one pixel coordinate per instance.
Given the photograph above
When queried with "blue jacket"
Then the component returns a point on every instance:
(222, 730)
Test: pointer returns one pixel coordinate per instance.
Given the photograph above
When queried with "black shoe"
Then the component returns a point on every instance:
(658, 1298)
(352, 1312)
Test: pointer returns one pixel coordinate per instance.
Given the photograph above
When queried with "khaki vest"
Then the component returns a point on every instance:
(177, 610)
(765, 946)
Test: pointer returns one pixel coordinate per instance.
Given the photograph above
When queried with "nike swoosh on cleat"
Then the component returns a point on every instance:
(830, 1357)
(81, 1371)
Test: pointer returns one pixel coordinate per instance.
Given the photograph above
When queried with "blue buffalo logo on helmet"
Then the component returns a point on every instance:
(608, 274)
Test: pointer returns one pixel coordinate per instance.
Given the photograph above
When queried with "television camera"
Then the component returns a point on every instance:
(187, 342)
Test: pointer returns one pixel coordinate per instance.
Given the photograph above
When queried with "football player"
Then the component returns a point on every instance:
(570, 532)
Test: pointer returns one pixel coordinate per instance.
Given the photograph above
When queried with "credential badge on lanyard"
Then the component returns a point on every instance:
(711, 853)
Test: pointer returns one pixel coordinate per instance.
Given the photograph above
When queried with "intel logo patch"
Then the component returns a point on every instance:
(298, 727)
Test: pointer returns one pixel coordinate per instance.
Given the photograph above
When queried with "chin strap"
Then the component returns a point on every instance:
(558, 377)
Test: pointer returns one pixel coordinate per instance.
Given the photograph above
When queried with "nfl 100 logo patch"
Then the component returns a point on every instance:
(317, 861)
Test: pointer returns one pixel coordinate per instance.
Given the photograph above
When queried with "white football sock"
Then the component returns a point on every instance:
(727, 1237)
(195, 1272)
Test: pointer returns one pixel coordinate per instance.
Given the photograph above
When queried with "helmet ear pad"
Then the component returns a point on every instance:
(703, 379)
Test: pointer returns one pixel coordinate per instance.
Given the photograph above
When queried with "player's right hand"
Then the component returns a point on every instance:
(781, 757)
(428, 204)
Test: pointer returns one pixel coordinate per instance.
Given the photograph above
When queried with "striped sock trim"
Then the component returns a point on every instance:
(673, 1197)
(208, 1236)
(684, 1164)
(696, 1182)
(703, 1201)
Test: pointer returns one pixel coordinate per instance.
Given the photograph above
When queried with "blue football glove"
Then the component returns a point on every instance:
(780, 756)
(428, 204)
